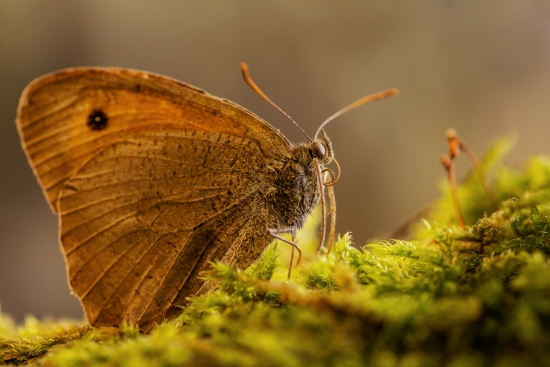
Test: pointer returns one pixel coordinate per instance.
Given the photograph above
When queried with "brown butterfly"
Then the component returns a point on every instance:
(153, 179)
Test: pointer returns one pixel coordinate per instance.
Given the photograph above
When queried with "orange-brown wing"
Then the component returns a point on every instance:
(152, 179)
(145, 216)
(66, 117)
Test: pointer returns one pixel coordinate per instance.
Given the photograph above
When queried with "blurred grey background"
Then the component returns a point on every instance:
(480, 67)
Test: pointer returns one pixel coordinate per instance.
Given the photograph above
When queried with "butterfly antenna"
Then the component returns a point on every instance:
(370, 98)
(253, 85)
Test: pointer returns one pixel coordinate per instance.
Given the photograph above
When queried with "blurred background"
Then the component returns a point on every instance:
(480, 67)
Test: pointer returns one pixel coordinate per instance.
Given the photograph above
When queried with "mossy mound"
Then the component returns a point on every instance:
(478, 296)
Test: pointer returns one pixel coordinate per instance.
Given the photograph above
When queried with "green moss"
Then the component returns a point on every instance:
(478, 296)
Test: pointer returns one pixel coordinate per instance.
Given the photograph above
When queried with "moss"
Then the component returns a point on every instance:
(478, 296)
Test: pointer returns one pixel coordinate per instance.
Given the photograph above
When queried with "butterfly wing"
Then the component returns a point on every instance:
(56, 115)
(173, 179)
(145, 216)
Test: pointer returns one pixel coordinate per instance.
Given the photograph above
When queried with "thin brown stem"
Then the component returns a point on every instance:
(456, 145)
(454, 193)
(448, 163)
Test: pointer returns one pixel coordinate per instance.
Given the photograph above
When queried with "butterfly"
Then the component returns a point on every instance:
(153, 179)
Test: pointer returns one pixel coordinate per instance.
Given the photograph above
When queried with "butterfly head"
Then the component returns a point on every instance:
(321, 149)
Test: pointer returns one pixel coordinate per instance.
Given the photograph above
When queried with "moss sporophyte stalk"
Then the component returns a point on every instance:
(452, 296)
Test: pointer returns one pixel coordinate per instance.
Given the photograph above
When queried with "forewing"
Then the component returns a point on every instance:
(145, 216)
(55, 111)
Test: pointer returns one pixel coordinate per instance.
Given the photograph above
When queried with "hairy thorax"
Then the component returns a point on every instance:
(295, 192)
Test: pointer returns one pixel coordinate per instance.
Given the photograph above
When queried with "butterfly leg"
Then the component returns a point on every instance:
(321, 186)
(291, 260)
(274, 232)
(332, 212)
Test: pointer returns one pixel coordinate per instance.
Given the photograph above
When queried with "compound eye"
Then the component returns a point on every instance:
(317, 150)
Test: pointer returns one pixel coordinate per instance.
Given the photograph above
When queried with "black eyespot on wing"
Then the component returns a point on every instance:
(97, 120)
